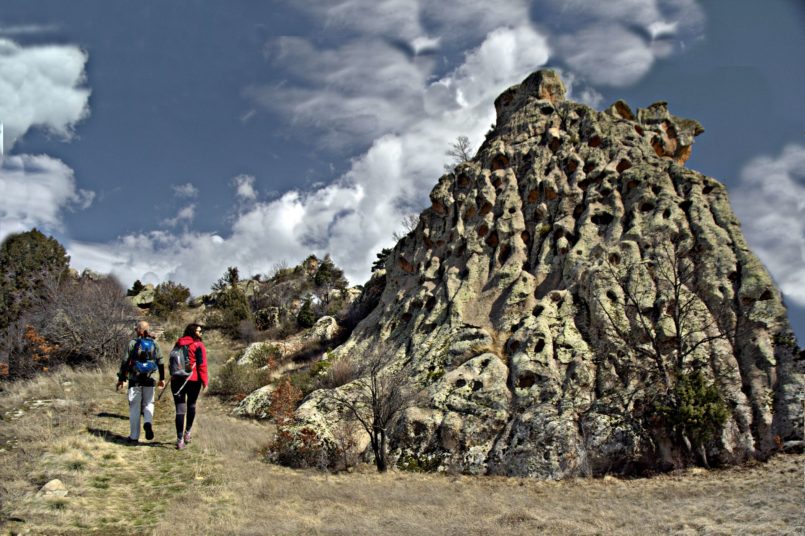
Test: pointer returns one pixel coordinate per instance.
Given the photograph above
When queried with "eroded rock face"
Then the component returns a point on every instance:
(520, 298)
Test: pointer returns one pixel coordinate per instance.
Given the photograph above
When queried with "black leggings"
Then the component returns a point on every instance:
(185, 402)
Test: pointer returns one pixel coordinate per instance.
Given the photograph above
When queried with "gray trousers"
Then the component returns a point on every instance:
(141, 400)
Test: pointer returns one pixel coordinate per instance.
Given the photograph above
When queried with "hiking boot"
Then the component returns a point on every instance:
(180, 444)
(132, 442)
(149, 432)
(187, 438)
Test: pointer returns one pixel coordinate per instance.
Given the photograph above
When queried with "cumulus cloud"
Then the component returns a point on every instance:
(186, 190)
(35, 191)
(244, 188)
(184, 215)
(616, 43)
(411, 21)
(770, 202)
(382, 88)
(354, 217)
(41, 86)
(353, 93)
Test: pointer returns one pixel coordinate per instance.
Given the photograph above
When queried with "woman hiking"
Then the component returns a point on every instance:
(186, 389)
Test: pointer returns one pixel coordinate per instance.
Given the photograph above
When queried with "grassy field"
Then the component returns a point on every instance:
(72, 426)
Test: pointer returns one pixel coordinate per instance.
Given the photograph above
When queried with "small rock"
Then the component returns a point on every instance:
(54, 488)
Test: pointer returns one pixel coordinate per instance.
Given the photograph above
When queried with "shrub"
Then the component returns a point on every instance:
(169, 297)
(234, 308)
(340, 372)
(238, 381)
(89, 319)
(306, 317)
(310, 379)
(294, 445)
(694, 408)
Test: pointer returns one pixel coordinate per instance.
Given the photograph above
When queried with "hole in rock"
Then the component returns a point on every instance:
(499, 162)
(505, 253)
(540, 346)
(602, 218)
(623, 165)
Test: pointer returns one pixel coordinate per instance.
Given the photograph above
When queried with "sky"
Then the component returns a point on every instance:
(169, 140)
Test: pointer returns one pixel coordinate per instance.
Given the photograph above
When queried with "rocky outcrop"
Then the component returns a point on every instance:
(560, 285)
(145, 298)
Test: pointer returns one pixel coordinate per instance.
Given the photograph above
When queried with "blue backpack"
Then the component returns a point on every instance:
(143, 356)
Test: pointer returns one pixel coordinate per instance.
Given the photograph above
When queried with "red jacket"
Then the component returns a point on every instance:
(198, 356)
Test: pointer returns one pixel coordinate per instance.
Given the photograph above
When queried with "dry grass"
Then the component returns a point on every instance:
(219, 485)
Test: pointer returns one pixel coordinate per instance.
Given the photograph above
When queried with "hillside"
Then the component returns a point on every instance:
(71, 425)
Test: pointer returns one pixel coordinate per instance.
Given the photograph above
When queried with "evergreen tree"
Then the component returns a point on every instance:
(135, 289)
(27, 261)
(168, 297)
(306, 317)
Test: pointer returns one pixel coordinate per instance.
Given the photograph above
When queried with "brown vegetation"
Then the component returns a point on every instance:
(71, 426)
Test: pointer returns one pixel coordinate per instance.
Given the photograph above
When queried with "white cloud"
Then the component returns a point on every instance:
(244, 188)
(187, 190)
(612, 56)
(383, 88)
(28, 29)
(184, 215)
(770, 202)
(616, 43)
(360, 90)
(41, 86)
(407, 20)
(354, 217)
(34, 192)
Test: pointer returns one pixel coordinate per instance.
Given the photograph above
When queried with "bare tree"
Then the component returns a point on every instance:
(89, 320)
(409, 223)
(375, 400)
(460, 151)
(665, 320)
(654, 311)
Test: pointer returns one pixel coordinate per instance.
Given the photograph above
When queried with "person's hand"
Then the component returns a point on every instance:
(203, 386)
(161, 384)
(118, 386)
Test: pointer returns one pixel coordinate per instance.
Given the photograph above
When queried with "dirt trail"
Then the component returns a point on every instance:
(75, 429)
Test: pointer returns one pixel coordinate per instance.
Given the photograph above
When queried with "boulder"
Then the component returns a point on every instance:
(557, 290)
(257, 404)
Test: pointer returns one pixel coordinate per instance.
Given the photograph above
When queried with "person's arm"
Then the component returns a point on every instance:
(122, 373)
(160, 364)
(202, 367)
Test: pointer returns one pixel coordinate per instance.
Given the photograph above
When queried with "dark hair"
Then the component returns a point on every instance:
(190, 331)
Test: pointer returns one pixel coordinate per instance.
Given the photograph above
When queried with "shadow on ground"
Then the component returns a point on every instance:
(119, 439)
(107, 415)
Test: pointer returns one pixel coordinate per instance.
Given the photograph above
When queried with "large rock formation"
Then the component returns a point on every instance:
(557, 289)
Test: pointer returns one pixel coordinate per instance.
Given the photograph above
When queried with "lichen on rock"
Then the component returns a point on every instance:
(538, 302)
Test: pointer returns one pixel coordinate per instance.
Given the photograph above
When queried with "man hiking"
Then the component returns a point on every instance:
(141, 360)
